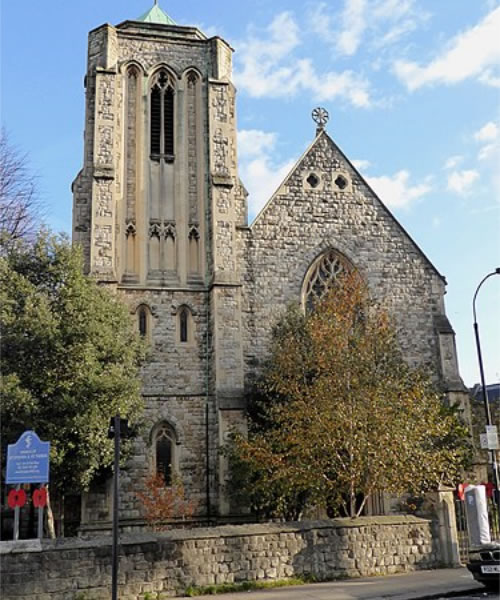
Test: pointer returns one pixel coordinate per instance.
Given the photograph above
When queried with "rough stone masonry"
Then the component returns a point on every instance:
(168, 563)
(161, 214)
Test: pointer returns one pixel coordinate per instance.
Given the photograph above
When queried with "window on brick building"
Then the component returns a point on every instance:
(162, 117)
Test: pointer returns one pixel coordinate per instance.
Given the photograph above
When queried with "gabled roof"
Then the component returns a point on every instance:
(322, 133)
(156, 15)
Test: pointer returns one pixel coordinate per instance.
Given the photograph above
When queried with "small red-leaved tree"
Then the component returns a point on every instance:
(161, 503)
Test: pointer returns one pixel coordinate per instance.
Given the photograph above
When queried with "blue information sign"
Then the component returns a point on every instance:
(28, 460)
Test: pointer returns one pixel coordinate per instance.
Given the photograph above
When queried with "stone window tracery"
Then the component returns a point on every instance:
(313, 180)
(164, 452)
(194, 249)
(322, 275)
(162, 116)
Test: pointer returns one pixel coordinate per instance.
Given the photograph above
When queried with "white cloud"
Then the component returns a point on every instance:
(453, 161)
(376, 23)
(472, 53)
(487, 133)
(353, 26)
(361, 164)
(396, 191)
(403, 17)
(460, 182)
(489, 136)
(259, 171)
(268, 67)
(488, 77)
(487, 151)
(252, 142)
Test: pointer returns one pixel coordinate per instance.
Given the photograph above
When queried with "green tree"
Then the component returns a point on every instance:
(70, 359)
(341, 415)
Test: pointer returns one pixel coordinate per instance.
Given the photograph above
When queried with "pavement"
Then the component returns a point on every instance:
(419, 585)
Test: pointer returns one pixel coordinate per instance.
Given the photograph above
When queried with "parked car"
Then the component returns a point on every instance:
(484, 564)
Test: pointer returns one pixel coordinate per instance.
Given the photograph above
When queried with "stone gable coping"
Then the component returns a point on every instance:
(330, 141)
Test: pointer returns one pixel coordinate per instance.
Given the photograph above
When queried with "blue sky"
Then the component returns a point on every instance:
(412, 88)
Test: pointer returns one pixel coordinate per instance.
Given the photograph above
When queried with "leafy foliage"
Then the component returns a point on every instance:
(70, 359)
(163, 503)
(340, 415)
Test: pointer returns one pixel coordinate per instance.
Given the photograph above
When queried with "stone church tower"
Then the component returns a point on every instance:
(161, 215)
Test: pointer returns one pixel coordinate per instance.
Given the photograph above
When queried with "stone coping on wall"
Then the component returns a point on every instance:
(170, 562)
(223, 531)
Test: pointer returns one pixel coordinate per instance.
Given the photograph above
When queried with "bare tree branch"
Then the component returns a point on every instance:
(20, 210)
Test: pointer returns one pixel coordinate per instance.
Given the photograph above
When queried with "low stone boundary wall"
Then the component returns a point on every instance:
(76, 569)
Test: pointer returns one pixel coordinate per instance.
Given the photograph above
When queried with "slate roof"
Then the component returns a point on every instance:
(493, 391)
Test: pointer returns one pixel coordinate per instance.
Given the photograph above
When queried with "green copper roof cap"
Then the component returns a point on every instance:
(156, 15)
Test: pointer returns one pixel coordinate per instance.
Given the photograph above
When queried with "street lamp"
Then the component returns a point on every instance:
(483, 382)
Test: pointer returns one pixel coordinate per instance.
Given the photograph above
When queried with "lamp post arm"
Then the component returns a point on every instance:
(478, 346)
(495, 272)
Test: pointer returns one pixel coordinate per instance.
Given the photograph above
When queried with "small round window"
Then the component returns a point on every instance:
(341, 182)
(313, 180)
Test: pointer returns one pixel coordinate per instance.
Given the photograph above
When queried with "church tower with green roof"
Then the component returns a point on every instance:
(157, 210)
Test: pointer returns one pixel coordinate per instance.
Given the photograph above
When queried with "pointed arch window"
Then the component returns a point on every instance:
(164, 452)
(184, 325)
(162, 117)
(144, 321)
(322, 275)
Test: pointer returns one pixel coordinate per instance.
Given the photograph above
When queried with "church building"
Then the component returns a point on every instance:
(161, 215)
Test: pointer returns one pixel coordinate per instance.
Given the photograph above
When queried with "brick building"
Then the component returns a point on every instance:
(161, 214)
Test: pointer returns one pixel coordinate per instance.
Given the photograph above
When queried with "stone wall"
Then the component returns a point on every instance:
(170, 562)
(301, 222)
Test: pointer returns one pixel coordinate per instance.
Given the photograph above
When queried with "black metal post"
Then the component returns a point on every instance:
(116, 477)
(487, 412)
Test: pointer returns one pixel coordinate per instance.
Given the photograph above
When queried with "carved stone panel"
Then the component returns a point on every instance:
(103, 244)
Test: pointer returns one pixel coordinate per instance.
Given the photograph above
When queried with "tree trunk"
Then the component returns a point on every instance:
(50, 518)
(61, 527)
(362, 505)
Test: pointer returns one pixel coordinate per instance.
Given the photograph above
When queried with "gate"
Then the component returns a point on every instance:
(461, 517)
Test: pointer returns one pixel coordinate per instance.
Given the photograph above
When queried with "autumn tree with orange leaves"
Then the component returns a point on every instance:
(339, 415)
(162, 504)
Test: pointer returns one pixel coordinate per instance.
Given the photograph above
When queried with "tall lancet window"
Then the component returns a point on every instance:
(162, 117)
(131, 108)
(164, 446)
(193, 143)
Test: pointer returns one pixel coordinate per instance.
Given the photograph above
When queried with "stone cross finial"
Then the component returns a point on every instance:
(320, 116)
